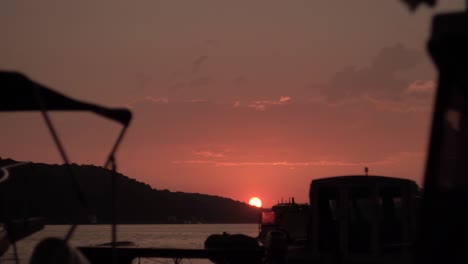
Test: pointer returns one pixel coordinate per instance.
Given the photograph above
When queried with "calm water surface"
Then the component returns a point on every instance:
(166, 236)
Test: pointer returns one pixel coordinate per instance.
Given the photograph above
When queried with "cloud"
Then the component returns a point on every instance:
(191, 88)
(262, 105)
(282, 163)
(379, 80)
(198, 62)
(389, 160)
(211, 151)
(405, 106)
(139, 101)
(157, 99)
(196, 101)
(421, 88)
(209, 154)
(259, 105)
(316, 135)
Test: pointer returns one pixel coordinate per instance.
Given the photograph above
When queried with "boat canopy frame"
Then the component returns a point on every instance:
(19, 93)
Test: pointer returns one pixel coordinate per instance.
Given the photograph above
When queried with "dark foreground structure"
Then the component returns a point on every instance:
(444, 222)
(362, 219)
(350, 219)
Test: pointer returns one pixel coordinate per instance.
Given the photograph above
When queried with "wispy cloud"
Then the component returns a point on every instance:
(392, 158)
(196, 101)
(157, 99)
(131, 104)
(279, 163)
(404, 155)
(421, 88)
(405, 106)
(209, 154)
(262, 105)
(379, 80)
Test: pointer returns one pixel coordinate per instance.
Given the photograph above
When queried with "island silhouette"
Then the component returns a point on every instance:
(44, 190)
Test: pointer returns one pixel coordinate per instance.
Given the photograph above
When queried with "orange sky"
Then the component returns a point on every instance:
(236, 99)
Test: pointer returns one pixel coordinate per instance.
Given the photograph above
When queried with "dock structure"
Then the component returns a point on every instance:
(125, 255)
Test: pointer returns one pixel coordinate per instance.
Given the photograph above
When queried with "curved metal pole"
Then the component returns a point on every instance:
(75, 183)
(61, 149)
(111, 162)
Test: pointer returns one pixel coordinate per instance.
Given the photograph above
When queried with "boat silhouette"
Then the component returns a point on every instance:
(350, 219)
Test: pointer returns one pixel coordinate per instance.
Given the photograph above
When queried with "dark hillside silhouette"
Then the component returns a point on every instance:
(37, 189)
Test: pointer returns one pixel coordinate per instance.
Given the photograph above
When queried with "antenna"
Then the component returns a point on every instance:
(366, 170)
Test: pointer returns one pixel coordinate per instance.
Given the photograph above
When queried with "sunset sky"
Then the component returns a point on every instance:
(230, 98)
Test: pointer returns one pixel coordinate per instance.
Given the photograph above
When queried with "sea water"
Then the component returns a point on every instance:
(190, 236)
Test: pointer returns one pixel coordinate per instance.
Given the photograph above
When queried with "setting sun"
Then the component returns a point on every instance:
(254, 201)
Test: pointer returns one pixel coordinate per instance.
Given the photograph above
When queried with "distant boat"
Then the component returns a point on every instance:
(290, 218)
